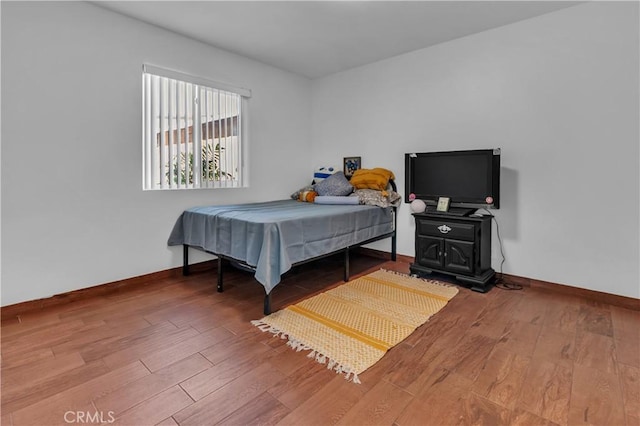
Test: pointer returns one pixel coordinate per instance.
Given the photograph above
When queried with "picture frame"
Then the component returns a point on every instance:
(443, 204)
(351, 164)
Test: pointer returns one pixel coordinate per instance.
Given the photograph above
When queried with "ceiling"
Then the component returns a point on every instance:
(318, 38)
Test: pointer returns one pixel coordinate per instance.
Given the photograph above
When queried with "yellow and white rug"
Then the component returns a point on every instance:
(352, 326)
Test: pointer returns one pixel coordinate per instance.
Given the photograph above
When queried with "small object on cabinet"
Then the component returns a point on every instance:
(418, 206)
(443, 204)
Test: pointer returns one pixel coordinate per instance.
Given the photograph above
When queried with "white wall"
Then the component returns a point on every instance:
(559, 95)
(73, 211)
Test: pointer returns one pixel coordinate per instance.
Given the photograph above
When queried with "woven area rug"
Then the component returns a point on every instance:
(352, 326)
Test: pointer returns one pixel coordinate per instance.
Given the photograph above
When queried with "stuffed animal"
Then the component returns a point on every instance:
(307, 196)
(323, 172)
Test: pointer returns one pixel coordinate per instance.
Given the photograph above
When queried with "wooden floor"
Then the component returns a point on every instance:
(177, 352)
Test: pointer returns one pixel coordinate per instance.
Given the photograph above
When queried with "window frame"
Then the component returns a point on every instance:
(170, 164)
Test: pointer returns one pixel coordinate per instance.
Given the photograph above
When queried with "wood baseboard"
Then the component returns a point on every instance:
(384, 255)
(12, 311)
(596, 296)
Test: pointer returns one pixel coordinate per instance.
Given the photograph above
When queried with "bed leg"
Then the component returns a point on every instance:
(346, 264)
(395, 233)
(267, 304)
(220, 288)
(185, 259)
(393, 247)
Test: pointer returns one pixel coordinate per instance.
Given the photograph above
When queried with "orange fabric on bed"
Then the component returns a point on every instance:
(377, 178)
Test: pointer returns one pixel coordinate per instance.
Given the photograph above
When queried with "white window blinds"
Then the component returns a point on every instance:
(192, 131)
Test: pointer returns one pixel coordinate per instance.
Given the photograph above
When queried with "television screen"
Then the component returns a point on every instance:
(468, 178)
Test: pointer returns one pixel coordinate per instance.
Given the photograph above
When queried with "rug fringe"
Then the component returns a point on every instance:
(427, 280)
(263, 326)
(320, 358)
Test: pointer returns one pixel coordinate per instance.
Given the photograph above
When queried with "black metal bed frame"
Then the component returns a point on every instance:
(267, 297)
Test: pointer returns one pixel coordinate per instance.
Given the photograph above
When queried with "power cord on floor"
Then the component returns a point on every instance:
(500, 282)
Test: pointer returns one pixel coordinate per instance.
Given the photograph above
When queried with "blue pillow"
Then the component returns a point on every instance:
(334, 185)
(329, 199)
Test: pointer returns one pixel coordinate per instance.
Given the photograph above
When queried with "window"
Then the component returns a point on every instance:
(192, 132)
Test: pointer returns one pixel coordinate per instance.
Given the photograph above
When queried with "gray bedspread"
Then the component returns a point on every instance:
(271, 236)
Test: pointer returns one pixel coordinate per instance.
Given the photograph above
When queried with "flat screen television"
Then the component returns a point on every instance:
(471, 179)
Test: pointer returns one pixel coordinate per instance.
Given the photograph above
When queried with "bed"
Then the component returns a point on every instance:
(270, 238)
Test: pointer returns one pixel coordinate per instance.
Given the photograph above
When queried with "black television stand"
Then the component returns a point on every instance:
(454, 245)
